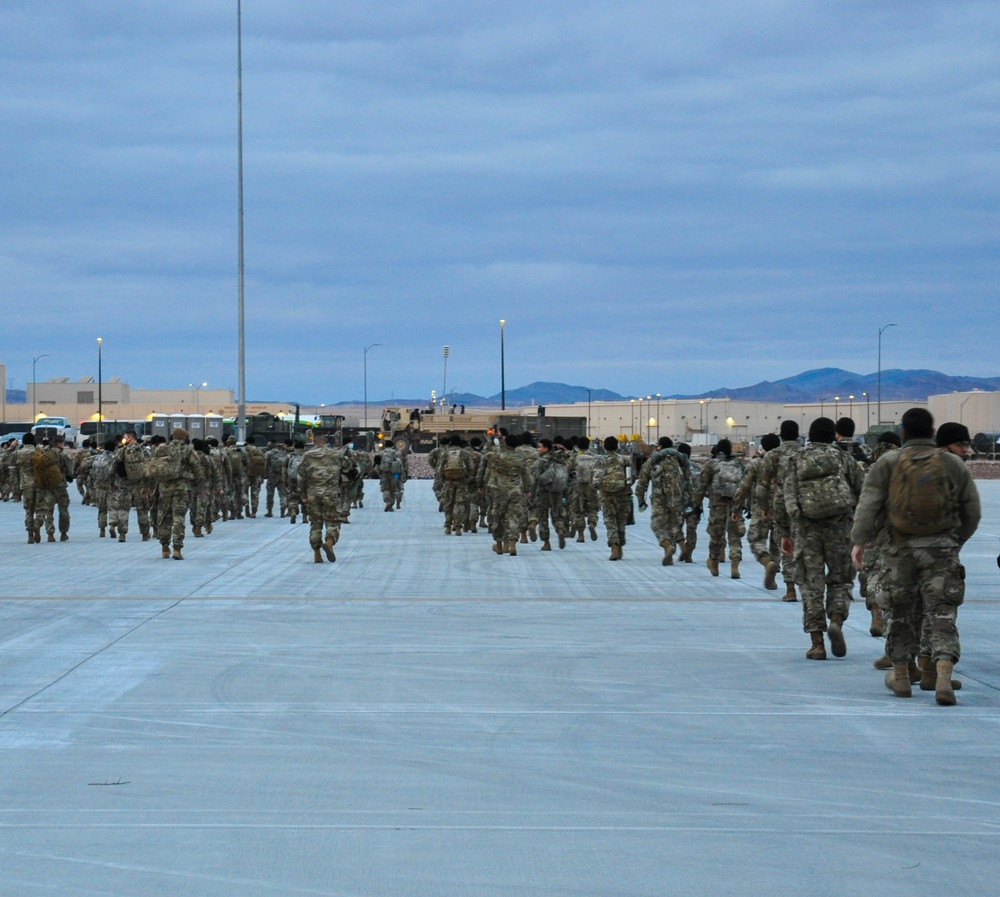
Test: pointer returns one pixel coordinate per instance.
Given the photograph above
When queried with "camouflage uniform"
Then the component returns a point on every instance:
(125, 494)
(664, 475)
(350, 477)
(98, 480)
(692, 515)
(457, 470)
(238, 465)
(919, 573)
(721, 527)
(274, 461)
(768, 495)
(585, 504)
(201, 494)
(392, 481)
(33, 516)
(66, 464)
(175, 495)
(548, 502)
(254, 458)
(822, 547)
(509, 484)
(222, 482)
(614, 504)
(529, 509)
(321, 475)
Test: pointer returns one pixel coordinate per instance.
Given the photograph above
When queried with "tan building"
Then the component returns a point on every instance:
(978, 410)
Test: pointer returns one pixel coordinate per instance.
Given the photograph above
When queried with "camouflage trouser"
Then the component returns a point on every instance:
(201, 504)
(45, 506)
(760, 538)
(615, 506)
(254, 484)
(691, 521)
(172, 509)
(476, 507)
(586, 507)
(556, 506)
(721, 527)
(872, 580)
(392, 488)
(506, 514)
(62, 503)
(455, 499)
(324, 510)
(272, 486)
(99, 495)
(28, 500)
(823, 557)
(239, 496)
(927, 582)
(121, 500)
(666, 520)
(295, 503)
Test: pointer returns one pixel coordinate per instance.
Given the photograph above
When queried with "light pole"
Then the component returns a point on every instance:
(197, 395)
(503, 390)
(850, 412)
(445, 352)
(836, 407)
(100, 397)
(879, 403)
(657, 417)
(631, 426)
(961, 410)
(588, 413)
(241, 408)
(868, 411)
(372, 346)
(33, 387)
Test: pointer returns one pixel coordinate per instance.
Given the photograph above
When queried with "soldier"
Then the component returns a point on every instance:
(238, 465)
(274, 464)
(350, 477)
(222, 483)
(509, 484)
(611, 480)
(256, 468)
(33, 519)
(845, 441)
(720, 478)
(821, 487)
(128, 488)
(477, 500)
(68, 468)
(432, 460)
(9, 471)
(529, 520)
(320, 477)
(769, 481)
(920, 506)
(291, 478)
(456, 470)
(692, 515)
(665, 477)
(201, 491)
(550, 491)
(392, 476)
(176, 471)
(81, 464)
(760, 536)
(583, 499)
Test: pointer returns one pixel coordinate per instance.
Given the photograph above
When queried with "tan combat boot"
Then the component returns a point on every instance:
(546, 545)
(616, 553)
(668, 552)
(63, 537)
(524, 538)
(317, 556)
(328, 549)
(928, 675)
(734, 569)
(877, 629)
(456, 530)
(102, 533)
(121, 537)
(447, 530)
(31, 537)
(836, 632)
(897, 680)
(177, 556)
(944, 693)
(165, 551)
(562, 540)
(713, 566)
(111, 532)
(882, 663)
(818, 649)
(512, 548)
(579, 536)
(533, 532)
(145, 536)
(498, 548)
(771, 568)
(197, 533)
(789, 592)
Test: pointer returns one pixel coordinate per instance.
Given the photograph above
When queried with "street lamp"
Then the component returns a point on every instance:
(197, 397)
(445, 352)
(588, 413)
(850, 412)
(868, 410)
(836, 407)
(657, 417)
(100, 397)
(631, 426)
(503, 389)
(372, 346)
(879, 403)
(34, 389)
(241, 409)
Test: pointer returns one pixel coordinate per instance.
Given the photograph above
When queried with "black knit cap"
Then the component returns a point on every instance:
(949, 433)
(822, 430)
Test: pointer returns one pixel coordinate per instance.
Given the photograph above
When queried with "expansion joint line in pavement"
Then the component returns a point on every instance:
(90, 657)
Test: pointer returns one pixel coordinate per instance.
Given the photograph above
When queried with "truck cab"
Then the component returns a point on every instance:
(50, 427)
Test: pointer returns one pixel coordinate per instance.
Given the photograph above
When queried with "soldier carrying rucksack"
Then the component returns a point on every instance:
(720, 478)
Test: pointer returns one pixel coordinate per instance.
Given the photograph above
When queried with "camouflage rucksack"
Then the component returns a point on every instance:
(554, 478)
(45, 467)
(134, 456)
(668, 479)
(615, 479)
(920, 494)
(166, 462)
(585, 462)
(454, 465)
(728, 474)
(293, 466)
(99, 472)
(256, 463)
(823, 488)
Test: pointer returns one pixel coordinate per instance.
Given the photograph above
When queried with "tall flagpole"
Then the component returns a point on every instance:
(241, 408)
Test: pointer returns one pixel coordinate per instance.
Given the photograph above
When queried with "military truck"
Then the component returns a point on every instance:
(543, 426)
(419, 430)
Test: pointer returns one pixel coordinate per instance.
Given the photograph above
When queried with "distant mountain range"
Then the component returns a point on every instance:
(820, 385)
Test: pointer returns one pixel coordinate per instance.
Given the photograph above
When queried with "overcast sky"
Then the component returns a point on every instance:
(657, 196)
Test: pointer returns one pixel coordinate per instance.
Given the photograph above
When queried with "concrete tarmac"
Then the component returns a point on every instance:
(426, 718)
